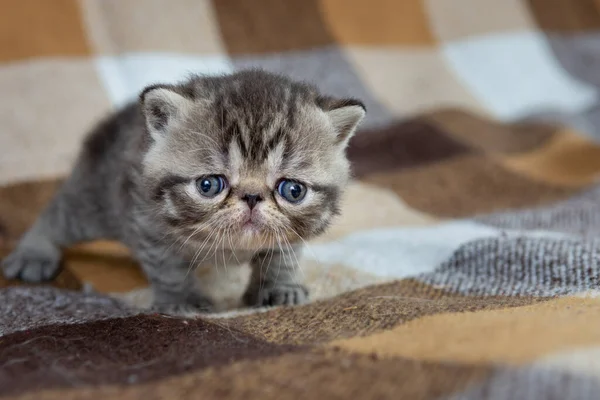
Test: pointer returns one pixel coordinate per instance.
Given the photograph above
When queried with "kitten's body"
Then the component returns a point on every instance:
(140, 173)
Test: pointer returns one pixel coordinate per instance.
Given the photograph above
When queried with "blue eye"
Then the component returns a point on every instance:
(210, 186)
(292, 191)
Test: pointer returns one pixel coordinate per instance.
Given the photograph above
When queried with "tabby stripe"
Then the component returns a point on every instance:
(331, 193)
(167, 183)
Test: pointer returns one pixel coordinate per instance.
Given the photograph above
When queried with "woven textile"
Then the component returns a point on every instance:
(466, 262)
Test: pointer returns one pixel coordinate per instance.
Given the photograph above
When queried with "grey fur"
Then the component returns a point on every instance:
(135, 182)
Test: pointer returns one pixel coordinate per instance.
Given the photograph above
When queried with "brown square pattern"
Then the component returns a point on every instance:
(378, 22)
(263, 26)
(567, 16)
(33, 28)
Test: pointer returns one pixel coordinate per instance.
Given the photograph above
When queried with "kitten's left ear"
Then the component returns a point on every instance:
(345, 116)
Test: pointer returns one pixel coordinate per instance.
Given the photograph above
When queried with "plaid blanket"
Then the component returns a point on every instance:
(465, 264)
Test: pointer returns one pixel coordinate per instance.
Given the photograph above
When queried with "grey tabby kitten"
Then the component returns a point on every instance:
(250, 163)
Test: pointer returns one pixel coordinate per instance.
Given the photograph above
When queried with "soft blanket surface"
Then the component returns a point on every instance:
(466, 263)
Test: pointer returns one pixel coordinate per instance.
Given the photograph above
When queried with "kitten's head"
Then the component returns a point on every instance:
(248, 159)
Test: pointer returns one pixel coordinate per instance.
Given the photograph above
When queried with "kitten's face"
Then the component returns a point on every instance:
(255, 163)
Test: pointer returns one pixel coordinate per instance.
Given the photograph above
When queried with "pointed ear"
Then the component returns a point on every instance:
(345, 116)
(161, 104)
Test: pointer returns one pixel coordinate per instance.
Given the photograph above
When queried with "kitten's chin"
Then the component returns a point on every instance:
(251, 237)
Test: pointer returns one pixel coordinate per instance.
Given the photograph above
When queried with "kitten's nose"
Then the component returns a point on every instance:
(252, 199)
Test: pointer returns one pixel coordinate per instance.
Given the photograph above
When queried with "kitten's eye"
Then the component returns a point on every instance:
(292, 191)
(210, 186)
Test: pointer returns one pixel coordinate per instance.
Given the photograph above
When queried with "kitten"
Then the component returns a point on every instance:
(250, 163)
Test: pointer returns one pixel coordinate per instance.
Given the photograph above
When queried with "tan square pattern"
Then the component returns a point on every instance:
(461, 19)
(176, 26)
(46, 108)
(409, 80)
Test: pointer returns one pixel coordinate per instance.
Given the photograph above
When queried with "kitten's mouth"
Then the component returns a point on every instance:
(251, 234)
(251, 226)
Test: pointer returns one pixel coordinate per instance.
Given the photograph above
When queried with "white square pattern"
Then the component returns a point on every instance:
(517, 74)
(126, 75)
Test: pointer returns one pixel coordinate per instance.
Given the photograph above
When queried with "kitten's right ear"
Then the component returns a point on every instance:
(161, 104)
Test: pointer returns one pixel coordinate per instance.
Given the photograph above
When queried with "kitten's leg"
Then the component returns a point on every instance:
(173, 280)
(274, 280)
(38, 254)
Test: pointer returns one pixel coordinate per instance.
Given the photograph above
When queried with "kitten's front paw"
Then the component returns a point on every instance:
(189, 306)
(281, 295)
(32, 265)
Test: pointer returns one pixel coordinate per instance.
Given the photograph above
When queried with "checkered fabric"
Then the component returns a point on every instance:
(466, 263)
